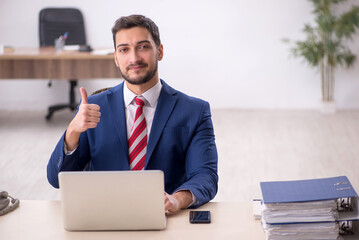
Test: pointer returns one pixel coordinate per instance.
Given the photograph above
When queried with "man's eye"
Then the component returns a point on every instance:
(143, 47)
(122, 50)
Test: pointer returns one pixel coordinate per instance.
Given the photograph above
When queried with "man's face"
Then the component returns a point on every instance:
(136, 55)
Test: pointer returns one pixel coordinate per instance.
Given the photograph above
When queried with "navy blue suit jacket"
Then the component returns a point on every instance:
(181, 143)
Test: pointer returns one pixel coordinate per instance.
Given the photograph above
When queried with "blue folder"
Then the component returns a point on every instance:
(307, 190)
(316, 190)
(312, 190)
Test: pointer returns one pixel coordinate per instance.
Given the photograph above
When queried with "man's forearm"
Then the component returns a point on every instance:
(71, 139)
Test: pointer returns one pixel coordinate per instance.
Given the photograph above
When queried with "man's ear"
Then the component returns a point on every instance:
(160, 52)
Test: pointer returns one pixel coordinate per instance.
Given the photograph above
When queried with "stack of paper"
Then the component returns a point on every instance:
(315, 209)
(317, 231)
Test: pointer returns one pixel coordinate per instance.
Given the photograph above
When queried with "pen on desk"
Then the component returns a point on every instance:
(66, 35)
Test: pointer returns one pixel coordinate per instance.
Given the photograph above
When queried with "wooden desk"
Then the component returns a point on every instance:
(46, 63)
(43, 220)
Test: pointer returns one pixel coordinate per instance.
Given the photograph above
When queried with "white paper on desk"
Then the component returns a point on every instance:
(257, 209)
(71, 47)
(108, 51)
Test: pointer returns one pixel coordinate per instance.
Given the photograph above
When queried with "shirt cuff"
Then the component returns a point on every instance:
(67, 153)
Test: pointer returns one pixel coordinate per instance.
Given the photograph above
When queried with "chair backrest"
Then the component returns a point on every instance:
(54, 22)
(100, 91)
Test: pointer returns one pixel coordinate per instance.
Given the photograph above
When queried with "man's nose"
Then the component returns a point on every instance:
(134, 57)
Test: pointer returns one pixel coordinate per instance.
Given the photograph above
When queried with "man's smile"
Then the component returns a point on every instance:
(136, 67)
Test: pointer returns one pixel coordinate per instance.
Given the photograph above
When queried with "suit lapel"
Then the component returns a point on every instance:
(166, 102)
(117, 109)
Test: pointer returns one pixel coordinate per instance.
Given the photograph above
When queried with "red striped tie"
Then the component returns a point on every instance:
(137, 143)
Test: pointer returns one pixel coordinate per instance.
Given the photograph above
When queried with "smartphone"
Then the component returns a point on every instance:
(199, 216)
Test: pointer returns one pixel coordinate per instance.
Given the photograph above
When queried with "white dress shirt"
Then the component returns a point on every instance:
(150, 98)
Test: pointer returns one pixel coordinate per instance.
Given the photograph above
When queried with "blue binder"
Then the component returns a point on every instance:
(312, 190)
(307, 190)
(317, 190)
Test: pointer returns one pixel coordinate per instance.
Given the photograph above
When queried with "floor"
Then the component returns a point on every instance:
(253, 146)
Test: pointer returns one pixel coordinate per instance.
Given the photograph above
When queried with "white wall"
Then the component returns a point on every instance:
(227, 52)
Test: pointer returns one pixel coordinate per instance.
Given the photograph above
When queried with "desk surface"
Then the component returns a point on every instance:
(43, 220)
(51, 53)
(47, 63)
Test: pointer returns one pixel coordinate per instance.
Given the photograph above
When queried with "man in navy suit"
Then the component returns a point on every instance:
(180, 136)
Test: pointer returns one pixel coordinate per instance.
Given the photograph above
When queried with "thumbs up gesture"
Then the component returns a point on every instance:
(88, 114)
(83, 96)
(87, 117)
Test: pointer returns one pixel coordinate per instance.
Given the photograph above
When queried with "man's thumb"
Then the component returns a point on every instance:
(83, 96)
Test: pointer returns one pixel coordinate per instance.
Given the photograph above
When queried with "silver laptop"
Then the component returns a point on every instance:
(113, 200)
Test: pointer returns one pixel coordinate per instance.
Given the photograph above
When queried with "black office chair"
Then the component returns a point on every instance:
(54, 22)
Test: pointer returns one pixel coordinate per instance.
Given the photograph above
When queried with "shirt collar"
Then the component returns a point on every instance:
(151, 95)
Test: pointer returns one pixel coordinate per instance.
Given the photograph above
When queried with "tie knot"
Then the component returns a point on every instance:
(139, 102)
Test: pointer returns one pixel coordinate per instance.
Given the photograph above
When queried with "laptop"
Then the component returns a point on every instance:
(113, 200)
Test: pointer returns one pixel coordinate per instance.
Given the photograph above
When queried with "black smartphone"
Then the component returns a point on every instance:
(199, 216)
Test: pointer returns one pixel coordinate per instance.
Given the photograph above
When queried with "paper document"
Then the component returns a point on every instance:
(108, 51)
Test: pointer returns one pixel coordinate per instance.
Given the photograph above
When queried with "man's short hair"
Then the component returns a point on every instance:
(136, 21)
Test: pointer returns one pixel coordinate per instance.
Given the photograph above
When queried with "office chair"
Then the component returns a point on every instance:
(100, 91)
(54, 22)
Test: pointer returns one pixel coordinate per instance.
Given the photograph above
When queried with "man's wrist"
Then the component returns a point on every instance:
(67, 152)
(184, 198)
(71, 139)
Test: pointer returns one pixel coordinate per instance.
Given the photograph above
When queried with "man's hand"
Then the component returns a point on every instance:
(177, 201)
(87, 117)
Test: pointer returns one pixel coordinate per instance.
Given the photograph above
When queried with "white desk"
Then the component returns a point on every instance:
(43, 220)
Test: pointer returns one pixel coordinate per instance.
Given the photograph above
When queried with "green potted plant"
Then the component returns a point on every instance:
(326, 42)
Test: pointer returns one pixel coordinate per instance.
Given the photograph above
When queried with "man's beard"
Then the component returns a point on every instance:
(140, 80)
